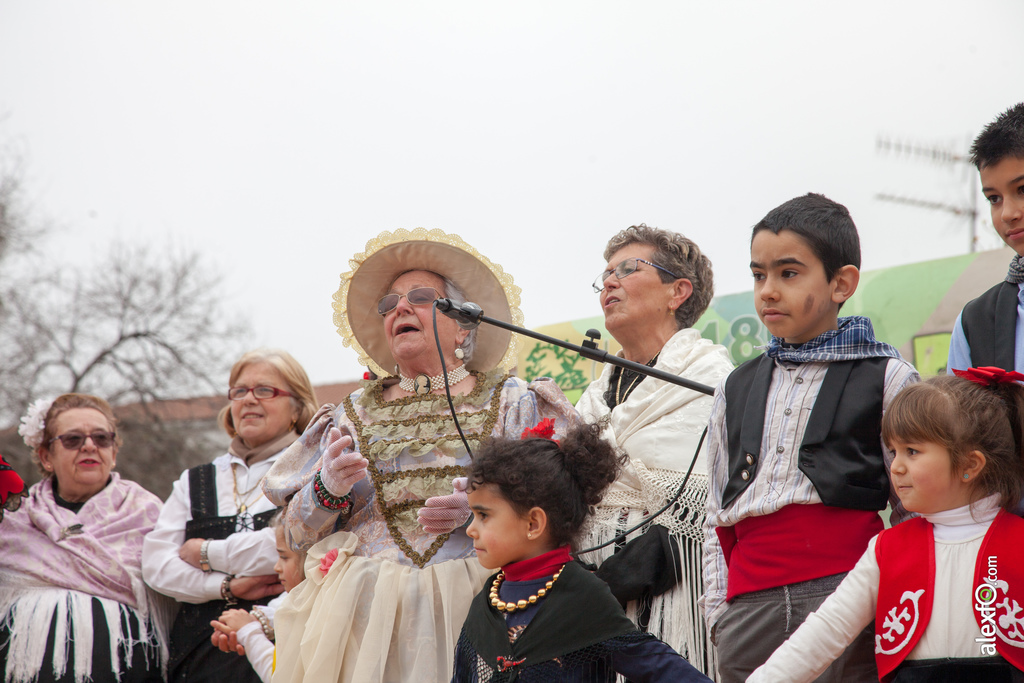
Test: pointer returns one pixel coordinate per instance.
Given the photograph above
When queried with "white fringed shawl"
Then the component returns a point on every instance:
(659, 426)
(53, 562)
(29, 609)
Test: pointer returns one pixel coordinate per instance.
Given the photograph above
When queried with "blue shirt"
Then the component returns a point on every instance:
(960, 352)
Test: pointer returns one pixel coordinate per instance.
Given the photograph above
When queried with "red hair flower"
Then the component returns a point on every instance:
(989, 376)
(328, 560)
(545, 429)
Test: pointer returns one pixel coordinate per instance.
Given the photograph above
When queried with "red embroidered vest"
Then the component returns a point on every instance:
(906, 561)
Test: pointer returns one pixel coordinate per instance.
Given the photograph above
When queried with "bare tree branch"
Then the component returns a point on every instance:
(145, 327)
(148, 327)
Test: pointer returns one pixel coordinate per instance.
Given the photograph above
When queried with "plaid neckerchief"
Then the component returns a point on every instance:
(855, 339)
(1016, 272)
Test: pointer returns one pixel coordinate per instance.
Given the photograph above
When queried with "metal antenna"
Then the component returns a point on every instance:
(937, 155)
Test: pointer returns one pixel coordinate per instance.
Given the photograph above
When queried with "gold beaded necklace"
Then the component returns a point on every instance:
(510, 607)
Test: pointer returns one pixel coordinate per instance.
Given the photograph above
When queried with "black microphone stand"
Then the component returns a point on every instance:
(469, 315)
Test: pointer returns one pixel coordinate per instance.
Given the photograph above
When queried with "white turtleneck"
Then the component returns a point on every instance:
(965, 522)
(951, 631)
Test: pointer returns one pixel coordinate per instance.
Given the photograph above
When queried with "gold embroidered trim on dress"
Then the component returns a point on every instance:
(364, 431)
(449, 471)
(372, 397)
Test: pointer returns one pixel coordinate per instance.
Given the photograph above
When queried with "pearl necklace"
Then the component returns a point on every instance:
(422, 384)
(510, 607)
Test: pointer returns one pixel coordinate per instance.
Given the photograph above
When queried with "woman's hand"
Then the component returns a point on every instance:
(255, 587)
(189, 551)
(341, 470)
(444, 514)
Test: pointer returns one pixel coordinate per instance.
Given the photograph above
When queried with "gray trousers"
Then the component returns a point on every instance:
(755, 624)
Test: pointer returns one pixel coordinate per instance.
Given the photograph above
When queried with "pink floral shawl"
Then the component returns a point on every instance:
(97, 551)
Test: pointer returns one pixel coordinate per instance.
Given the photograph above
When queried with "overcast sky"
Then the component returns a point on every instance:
(276, 138)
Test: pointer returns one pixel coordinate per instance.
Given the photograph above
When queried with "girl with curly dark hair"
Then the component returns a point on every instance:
(544, 617)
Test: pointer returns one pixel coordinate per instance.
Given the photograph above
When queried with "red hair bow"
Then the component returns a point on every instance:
(989, 376)
(545, 429)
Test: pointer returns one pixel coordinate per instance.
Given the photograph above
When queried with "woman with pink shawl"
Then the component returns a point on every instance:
(73, 606)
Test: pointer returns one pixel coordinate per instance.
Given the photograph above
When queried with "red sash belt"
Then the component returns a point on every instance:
(797, 543)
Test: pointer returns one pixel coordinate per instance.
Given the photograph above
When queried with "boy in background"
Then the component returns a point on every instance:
(798, 471)
(990, 329)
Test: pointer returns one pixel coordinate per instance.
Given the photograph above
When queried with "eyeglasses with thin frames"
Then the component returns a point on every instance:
(624, 269)
(421, 296)
(74, 440)
(261, 393)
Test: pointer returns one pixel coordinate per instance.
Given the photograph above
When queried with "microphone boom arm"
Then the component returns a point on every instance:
(593, 353)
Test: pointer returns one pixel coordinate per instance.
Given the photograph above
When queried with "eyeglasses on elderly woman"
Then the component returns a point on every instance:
(421, 296)
(261, 393)
(75, 440)
(624, 269)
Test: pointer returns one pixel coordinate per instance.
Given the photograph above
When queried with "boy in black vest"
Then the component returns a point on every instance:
(990, 329)
(797, 468)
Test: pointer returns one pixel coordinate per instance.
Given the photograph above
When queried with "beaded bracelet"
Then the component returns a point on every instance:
(326, 499)
(225, 590)
(268, 629)
(204, 556)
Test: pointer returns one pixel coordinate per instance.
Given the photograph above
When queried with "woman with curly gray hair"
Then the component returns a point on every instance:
(655, 286)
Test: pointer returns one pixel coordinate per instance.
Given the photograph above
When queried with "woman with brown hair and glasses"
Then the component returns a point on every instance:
(211, 547)
(73, 606)
(655, 286)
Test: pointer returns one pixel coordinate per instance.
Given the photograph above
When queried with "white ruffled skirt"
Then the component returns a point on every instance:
(373, 621)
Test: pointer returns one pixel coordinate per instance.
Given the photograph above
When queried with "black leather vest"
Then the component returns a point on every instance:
(990, 326)
(841, 451)
(202, 484)
(192, 656)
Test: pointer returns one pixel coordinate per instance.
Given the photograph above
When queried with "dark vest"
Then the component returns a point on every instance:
(990, 326)
(192, 656)
(841, 451)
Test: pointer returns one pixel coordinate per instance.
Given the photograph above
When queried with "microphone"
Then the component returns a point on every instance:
(467, 315)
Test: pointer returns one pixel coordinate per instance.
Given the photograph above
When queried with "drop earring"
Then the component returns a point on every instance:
(459, 353)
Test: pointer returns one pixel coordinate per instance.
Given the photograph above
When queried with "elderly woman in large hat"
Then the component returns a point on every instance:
(385, 596)
(655, 286)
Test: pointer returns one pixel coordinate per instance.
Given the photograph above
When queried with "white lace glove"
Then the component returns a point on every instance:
(341, 469)
(444, 514)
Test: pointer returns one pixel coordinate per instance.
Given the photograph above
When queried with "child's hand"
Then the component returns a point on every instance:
(225, 638)
(235, 619)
